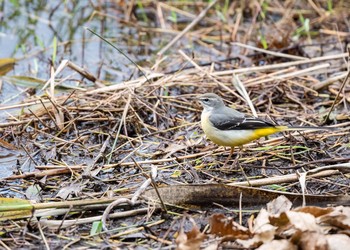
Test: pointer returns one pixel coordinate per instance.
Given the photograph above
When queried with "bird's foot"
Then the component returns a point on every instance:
(228, 158)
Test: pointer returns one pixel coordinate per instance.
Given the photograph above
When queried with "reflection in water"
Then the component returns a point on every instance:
(9, 160)
(29, 27)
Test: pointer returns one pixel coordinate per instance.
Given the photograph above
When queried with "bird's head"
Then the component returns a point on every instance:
(211, 101)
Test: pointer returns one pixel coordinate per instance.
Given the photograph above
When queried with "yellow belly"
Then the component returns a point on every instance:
(234, 138)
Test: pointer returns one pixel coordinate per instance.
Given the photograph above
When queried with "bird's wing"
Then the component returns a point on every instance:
(230, 120)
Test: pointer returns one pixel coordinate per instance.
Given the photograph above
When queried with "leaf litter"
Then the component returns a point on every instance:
(114, 165)
(301, 228)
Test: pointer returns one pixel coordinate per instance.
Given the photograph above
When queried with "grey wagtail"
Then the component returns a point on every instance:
(228, 127)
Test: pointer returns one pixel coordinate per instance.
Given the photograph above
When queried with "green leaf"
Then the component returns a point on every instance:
(176, 174)
(143, 13)
(96, 228)
(173, 17)
(307, 24)
(14, 208)
(25, 81)
(221, 15)
(14, 2)
(11, 204)
(264, 42)
(39, 42)
(54, 47)
(226, 6)
(277, 187)
(264, 7)
(330, 5)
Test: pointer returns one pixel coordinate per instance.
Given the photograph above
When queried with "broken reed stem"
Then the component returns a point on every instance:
(279, 65)
(346, 80)
(282, 179)
(188, 28)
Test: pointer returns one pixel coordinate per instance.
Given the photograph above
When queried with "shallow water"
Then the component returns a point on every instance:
(28, 32)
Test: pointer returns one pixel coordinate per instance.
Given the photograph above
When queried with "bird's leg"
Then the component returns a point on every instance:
(236, 162)
(230, 155)
(239, 165)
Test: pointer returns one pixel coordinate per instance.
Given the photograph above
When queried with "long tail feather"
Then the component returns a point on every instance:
(307, 128)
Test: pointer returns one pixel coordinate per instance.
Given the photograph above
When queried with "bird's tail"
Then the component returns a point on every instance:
(296, 128)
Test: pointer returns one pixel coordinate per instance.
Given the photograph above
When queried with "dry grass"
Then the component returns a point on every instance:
(103, 141)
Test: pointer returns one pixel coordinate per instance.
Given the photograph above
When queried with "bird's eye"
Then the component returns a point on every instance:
(206, 100)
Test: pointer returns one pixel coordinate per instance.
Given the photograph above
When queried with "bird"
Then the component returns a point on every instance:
(230, 128)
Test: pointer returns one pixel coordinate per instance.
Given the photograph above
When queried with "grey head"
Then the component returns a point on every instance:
(211, 101)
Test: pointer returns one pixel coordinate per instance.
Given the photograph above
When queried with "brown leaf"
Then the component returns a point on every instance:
(59, 117)
(226, 227)
(283, 223)
(191, 240)
(6, 65)
(315, 211)
(339, 217)
(263, 231)
(278, 244)
(258, 239)
(280, 221)
(7, 145)
(313, 241)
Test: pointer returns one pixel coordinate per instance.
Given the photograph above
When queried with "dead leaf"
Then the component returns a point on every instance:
(7, 145)
(68, 190)
(263, 231)
(339, 217)
(281, 221)
(262, 228)
(25, 81)
(191, 240)
(223, 226)
(338, 241)
(213, 246)
(33, 192)
(51, 154)
(262, 223)
(172, 148)
(277, 210)
(251, 243)
(59, 117)
(313, 241)
(315, 211)
(279, 205)
(6, 65)
(278, 244)
(303, 221)
(43, 180)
